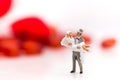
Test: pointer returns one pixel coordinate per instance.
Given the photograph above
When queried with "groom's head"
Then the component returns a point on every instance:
(79, 33)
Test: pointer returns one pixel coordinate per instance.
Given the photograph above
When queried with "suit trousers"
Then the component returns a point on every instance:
(76, 57)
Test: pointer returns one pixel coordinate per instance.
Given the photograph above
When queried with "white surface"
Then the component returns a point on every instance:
(57, 64)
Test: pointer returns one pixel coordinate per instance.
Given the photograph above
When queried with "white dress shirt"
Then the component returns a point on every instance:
(67, 40)
(74, 47)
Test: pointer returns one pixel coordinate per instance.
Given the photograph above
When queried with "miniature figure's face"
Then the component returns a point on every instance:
(79, 34)
(69, 34)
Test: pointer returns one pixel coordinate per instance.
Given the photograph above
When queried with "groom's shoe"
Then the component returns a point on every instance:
(81, 72)
(72, 71)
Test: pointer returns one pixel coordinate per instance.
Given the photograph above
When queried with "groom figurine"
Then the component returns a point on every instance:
(79, 43)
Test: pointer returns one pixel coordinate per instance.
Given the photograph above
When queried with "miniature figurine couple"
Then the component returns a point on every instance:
(76, 44)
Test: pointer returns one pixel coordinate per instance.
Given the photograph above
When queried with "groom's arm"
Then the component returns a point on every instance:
(78, 46)
(81, 45)
(84, 46)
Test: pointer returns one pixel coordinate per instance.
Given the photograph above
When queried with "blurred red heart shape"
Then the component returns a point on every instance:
(4, 7)
(31, 27)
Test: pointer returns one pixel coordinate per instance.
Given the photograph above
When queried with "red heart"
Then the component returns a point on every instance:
(10, 47)
(31, 27)
(31, 47)
(108, 43)
(4, 6)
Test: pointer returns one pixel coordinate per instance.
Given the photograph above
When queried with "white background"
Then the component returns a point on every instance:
(99, 18)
